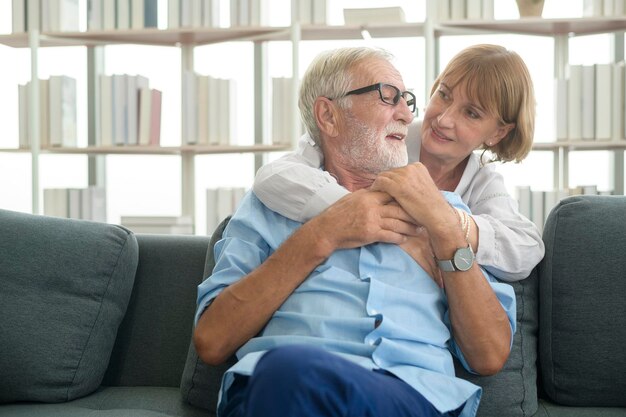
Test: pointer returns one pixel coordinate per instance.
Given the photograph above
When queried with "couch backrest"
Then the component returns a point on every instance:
(153, 339)
(582, 294)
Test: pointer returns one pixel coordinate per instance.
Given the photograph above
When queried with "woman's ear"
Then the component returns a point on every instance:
(500, 134)
(326, 116)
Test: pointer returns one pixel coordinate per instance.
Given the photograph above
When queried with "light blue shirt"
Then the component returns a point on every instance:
(373, 305)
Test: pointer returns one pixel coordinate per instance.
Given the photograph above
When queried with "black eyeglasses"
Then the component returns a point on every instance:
(389, 94)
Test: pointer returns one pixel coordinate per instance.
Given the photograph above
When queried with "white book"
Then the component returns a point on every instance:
(62, 105)
(560, 111)
(619, 8)
(589, 102)
(224, 203)
(457, 9)
(227, 109)
(190, 109)
(155, 117)
(278, 129)
(537, 209)
(524, 198)
(443, 10)
(144, 14)
(22, 96)
(74, 200)
(575, 102)
(173, 14)
(98, 204)
(145, 113)
(234, 13)
(211, 13)
(603, 94)
(305, 11)
(118, 103)
(122, 15)
(383, 15)
(592, 8)
(196, 13)
(474, 9)
(133, 84)
(55, 202)
(488, 10)
(95, 15)
(106, 110)
(259, 12)
(44, 113)
(186, 13)
(49, 15)
(18, 16)
(608, 7)
(203, 109)
(108, 14)
(136, 14)
(213, 111)
(320, 12)
(67, 15)
(244, 12)
(211, 211)
(617, 101)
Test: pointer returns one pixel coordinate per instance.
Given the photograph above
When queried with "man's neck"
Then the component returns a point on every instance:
(348, 178)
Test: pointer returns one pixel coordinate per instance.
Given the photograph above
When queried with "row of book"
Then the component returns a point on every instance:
(221, 202)
(130, 111)
(57, 112)
(208, 110)
(76, 203)
(64, 15)
(465, 9)
(536, 205)
(284, 112)
(598, 8)
(175, 225)
(591, 102)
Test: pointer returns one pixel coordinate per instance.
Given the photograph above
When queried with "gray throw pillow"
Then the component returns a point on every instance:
(65, 286)
(200, 382)
(513, 391)
(583, 312)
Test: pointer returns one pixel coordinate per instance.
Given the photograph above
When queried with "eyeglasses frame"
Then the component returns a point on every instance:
(411, 103)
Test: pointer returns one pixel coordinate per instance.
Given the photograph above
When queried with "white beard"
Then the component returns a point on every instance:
(371, 152)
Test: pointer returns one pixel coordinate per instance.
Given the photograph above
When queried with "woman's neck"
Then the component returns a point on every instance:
(446, 175)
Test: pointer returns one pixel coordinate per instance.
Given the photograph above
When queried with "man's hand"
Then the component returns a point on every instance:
(364, 217)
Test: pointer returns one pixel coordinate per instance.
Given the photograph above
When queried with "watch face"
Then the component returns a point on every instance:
(464, 258)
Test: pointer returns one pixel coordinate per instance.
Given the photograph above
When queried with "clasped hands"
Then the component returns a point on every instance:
(402, 206)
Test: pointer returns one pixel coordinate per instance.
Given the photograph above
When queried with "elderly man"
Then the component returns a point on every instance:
(335, 317)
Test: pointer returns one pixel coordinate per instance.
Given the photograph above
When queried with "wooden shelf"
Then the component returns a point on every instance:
(156, 150)
(535, 26)
(206, 36)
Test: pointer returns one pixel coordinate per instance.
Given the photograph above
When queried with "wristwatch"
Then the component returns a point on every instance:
(462, 261)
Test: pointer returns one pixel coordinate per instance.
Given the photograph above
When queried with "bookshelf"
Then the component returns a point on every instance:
(187, 39)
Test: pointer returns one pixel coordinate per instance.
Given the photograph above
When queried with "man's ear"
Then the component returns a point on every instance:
(326, 116)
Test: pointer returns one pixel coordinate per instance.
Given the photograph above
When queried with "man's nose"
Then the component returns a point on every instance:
(403, 112)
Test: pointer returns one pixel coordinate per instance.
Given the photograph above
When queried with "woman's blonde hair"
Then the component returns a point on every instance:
(499, 81)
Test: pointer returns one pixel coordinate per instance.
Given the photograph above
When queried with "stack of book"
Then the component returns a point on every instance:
(536, 205)
(76, 203)
(57, 112)
(209, 110)
(284, 112)
(175, 225)
(589, 103)
(599, 8)
(121, 14)
(312, 12)
(220, 203)
(465, 9)
(378, 15)
(193, 13)
(130, 111)
(55, 16)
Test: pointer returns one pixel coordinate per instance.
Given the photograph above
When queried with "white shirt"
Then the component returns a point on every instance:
(509, 247)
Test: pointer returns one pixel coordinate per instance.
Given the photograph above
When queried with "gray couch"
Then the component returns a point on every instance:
(96, 321)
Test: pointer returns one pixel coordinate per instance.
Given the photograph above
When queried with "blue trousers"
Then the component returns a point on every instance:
(302, 381)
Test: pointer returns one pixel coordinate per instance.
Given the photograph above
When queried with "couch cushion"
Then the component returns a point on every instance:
(582, 307)
(513, 391)
(65, 288)
(112, 402)
(200, 383)
(152, 341)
